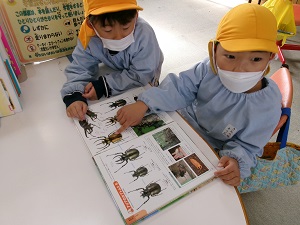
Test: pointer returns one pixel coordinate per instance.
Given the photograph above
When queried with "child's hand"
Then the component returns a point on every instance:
(131, 115)
(77, 110)
(90, 92)
(230, 174)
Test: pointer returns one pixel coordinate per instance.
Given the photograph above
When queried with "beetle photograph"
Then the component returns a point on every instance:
(166, 138)
(110, 121)
(92, 115)
(87, 127)
(148, 123)
(139, 172)
(114, 105)
(130, 154)
(112, 138)
(151, 190)
(196, 164)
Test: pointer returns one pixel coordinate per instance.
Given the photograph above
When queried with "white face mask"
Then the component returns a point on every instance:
(117, 45)
(238, 82)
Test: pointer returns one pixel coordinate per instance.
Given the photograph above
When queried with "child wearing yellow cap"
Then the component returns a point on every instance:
(113, 35)
(226, 98)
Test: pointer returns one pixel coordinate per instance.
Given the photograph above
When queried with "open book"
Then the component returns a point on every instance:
(148, 166)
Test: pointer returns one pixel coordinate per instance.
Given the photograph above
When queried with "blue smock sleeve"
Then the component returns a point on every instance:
(175, 92)
(83, 69)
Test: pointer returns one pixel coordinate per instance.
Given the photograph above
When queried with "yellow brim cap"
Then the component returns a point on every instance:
(248, 27)
(97, 7)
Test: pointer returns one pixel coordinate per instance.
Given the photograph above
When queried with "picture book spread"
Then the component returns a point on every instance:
(146, 167)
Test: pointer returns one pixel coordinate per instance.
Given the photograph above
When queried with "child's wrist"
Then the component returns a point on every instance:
(101, 87)
(76, 96)
(143, 106)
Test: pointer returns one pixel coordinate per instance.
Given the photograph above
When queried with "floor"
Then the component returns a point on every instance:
(183, 29)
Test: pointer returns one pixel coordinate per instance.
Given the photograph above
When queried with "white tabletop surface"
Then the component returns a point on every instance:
(48, 176)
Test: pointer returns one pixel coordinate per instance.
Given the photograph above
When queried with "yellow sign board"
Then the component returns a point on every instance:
(42, 29)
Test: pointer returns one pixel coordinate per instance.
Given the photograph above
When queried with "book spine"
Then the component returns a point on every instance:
(4, 75)
(8, 65)
(13, 77)
(12, 57)
(6, 107)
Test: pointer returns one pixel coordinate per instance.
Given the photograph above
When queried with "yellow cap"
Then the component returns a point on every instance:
(247, 27)
(97, 7)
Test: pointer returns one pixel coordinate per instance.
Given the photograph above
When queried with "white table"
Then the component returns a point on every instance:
(48, 177)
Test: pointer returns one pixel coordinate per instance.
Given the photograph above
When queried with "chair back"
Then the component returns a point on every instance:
(296, 8)
(283, 79)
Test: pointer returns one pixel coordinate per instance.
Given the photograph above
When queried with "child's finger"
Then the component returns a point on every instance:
(122, 128)
(233, 182)
(88, 87)
(221, 172)
(87, 95)
(223, 161)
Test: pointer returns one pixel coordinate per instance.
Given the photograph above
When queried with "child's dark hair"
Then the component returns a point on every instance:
(122, 17)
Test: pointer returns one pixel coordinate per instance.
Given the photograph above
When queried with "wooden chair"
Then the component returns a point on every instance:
(282, 78)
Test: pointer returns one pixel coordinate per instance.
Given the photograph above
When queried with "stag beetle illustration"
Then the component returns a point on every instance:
(88, 127)
(151, 190)
(139, 172)
(111, 138)
(111, 121)
(91, 114)
(118, 103)
(129, 155)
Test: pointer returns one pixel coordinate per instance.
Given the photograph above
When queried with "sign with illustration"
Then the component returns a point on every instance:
(42, 29)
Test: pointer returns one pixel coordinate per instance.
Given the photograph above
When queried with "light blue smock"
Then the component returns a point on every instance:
(136, 66)
(237, 125)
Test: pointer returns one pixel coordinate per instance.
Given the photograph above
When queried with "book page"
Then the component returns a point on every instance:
(151, 171)
(100, 124)
(147, 166)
